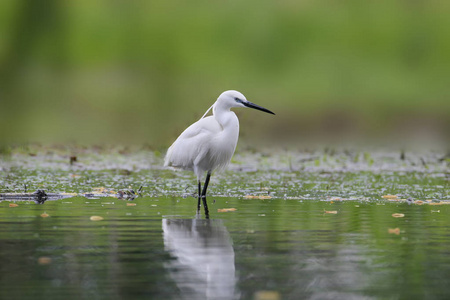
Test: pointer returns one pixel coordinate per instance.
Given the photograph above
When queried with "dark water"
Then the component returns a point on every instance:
(278, 249)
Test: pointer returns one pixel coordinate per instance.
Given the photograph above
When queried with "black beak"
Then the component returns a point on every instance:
(253, 105)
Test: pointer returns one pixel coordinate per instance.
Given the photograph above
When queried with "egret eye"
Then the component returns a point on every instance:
(237, 100)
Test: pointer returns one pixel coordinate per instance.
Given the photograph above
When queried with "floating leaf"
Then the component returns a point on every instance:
(331, 212)
(96, 218)
(267, 295)
(398, 215)
(262, 197)
(131, 204)
(45, 215)
(435, 211)
(439, 203)
(226, 209)
(13, 205)
(392, 197)
(99, 189)
(336, 199)
(69, 194)
(44, 260)
(394, 231)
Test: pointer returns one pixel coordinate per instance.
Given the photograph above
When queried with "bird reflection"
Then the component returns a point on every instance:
(203, 264)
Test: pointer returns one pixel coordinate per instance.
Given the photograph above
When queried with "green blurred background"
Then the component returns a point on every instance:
(141, 71)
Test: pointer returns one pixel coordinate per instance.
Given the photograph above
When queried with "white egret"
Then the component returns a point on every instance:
(208, 144)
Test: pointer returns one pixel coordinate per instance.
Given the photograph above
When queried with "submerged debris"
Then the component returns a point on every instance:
(73, 159)
(129, 194)
(40, 196)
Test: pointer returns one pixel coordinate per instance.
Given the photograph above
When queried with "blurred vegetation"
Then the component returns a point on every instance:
(141, 71)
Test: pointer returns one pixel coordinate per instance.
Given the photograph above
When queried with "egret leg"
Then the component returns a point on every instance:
(205, 187)
(199, 195)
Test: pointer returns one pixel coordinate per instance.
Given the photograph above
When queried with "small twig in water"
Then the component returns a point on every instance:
(139, 191)
(423, 162)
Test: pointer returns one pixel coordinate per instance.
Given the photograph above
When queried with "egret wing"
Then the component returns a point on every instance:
(192, 143)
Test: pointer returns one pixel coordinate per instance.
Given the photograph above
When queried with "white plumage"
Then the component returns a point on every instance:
(208, 144)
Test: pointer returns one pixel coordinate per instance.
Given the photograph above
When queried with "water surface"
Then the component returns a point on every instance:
(283, 225)
(160, 249)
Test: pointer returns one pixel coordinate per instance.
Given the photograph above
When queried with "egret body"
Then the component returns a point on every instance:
(208, 144)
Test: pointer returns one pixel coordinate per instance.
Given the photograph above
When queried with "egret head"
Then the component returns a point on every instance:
(233, 98)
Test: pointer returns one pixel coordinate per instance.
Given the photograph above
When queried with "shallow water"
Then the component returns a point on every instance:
(159, 249)
(282, 226)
